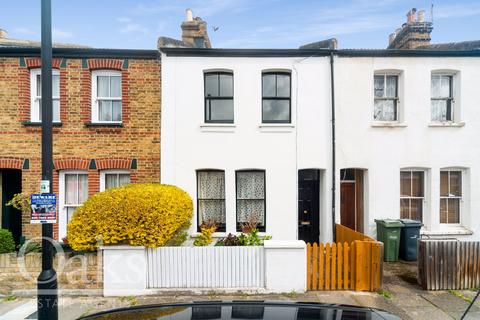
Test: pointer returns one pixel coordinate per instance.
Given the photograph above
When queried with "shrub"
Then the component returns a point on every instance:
(230, 241)
(21, 201)
(206, 232)
(138, 214)
(31, 246)
(252, 238)
(6, 241)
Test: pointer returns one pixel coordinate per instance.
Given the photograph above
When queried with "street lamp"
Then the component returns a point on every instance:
(47, 280)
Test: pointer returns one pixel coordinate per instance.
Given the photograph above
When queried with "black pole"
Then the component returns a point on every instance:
(47, 280)
(332, 87)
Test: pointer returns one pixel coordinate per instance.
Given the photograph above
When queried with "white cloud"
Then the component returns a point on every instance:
(130, 26)
(123, 19)
(25, 31)
(62, 34)
(133, 28)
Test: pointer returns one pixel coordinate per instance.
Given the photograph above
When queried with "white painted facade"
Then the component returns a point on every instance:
(188, 144)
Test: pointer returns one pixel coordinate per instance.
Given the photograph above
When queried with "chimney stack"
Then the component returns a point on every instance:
(3, 34)
(413, 34)
(194, 31)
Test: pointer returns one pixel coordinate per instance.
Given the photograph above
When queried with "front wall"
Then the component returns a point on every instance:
(384, 151)
(139, 138)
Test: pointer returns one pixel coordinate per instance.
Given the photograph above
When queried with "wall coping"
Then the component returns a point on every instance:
(284, 244)
(122, 247)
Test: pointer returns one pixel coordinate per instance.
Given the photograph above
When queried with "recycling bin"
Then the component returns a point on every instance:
(388, 232)
(408, 239)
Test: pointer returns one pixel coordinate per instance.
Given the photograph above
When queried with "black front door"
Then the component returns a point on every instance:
(11, 217)
(309, 205)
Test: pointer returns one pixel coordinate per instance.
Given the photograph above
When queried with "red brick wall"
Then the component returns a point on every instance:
(75, 143)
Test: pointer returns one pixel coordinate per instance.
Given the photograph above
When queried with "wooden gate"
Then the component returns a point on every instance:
(353, 263)
(342, 266)
(446, 264)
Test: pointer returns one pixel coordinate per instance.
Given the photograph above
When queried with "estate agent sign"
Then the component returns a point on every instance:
(44, 208)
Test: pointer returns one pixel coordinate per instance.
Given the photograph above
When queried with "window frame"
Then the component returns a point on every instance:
(424, 187)
(460, 201)
(63, 213)
(208, 99)
(265, 73)
(449, 100)
(396, 99)
(95, 108)
(238, 225)
(223, 226)
(103, 174)
(34, 98)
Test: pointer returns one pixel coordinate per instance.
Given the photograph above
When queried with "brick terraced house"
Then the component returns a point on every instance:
(106, 112)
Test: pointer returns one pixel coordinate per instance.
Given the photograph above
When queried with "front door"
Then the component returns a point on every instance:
(11, 218)
(351, 198)
(309, 205)
(347, 204)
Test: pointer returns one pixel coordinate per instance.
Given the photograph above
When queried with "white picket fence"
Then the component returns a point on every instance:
(206, 267)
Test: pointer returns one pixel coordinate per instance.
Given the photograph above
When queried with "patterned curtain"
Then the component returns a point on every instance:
(211, 196)
(251, 196)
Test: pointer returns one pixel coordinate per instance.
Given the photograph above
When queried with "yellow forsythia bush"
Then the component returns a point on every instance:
(136, 214)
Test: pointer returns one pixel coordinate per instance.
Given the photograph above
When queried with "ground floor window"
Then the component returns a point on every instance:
(412, 194)
(211, 197)
(450, 196)
(250, 194)
(112, 179)
(73, 192)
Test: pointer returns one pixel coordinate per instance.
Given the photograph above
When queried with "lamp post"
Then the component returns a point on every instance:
(47, 296)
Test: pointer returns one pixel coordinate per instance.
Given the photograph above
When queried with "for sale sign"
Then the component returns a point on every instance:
(44, 208)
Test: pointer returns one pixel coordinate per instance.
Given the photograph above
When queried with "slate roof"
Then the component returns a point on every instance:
(166, 42)
(463, 45)
(323, 44)
(19, 43)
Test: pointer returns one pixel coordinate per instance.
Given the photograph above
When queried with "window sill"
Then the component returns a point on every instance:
(388, 124)
(276, 127)
(104, 124)
(39, 124)
(446, 124)
(218, 235)
(457, 230)
(217, 127)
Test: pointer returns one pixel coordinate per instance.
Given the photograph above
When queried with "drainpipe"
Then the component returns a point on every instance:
(332, 87)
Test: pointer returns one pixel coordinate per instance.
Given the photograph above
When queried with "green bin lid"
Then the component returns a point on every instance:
(411, 223)
(389, 223)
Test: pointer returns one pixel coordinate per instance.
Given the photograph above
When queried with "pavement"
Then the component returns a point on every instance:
(401, 295)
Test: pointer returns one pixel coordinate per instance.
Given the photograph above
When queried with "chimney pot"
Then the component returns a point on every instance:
(421, 16)
(3, 34)
(189, 14)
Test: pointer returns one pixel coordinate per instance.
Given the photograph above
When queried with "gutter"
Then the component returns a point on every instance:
(81, 53)
(332, 86)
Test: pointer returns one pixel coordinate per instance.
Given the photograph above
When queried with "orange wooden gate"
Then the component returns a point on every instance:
(343, 266)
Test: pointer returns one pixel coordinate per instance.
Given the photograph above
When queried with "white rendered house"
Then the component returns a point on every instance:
(398, 155)
(301, 139)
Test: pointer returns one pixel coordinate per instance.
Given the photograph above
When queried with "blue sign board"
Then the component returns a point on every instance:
(44, 208)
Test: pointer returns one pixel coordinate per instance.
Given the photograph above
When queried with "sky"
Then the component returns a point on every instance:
(136, 24)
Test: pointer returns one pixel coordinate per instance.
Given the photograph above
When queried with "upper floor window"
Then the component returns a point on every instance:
(386, 97)
(276, 97)
(36, 95)
(113, 178)
(450, 196)
(219, 97)
(250, 186)
(442, 98)
(412, 194)
(211, 197)
(107, 96)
